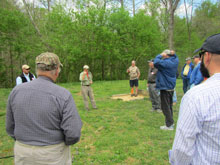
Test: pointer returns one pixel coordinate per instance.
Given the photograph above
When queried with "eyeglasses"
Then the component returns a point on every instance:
(201, 53)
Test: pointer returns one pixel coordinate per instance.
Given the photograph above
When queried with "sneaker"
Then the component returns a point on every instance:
(170, 128)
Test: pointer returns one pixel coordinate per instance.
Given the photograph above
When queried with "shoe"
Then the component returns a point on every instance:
(170, 128)
(95, 108)
(132, 95)
(136, 95)
(159, 110)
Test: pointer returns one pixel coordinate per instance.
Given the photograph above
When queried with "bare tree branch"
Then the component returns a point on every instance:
(35, 25)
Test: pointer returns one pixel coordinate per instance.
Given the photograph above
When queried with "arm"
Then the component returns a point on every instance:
(138, 73)
(18, 80)
(10, 124)
(161, 63)
(188, 127)
(82, 76)
(71, 123)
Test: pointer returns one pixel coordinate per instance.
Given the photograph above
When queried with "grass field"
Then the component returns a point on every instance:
(116, 133)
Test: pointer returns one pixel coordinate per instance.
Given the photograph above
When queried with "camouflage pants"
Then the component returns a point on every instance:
(154, 96)
(88, 92)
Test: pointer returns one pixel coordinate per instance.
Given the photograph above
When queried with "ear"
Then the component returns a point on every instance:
(208, 58)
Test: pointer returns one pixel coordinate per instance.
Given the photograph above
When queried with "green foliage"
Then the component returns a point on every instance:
(106, 39)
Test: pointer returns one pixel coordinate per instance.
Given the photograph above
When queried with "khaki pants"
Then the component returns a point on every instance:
(58, 154)
(87, 91)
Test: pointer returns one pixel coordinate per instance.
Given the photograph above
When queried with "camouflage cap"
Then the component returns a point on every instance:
(51, 60)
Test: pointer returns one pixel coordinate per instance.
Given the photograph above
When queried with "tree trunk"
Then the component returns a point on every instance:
(133, 7)
(11, 66)
(171, 29)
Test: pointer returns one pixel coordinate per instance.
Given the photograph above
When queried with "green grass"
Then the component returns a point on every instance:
(116, 133)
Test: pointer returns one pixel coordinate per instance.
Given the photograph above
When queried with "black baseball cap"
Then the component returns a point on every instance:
(196, 56)
(211, 44)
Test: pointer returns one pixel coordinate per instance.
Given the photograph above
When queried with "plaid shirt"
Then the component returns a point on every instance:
(41, 113)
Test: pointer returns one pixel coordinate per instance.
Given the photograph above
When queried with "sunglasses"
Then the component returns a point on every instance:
(201, 53)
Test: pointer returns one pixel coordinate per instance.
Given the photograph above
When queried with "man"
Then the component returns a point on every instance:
(86, 82)
(196, 76)
(167, 65)
(134, 74)
(26, 75)
(186, 73)
(151, 83)
(197, 134)
(42, 117)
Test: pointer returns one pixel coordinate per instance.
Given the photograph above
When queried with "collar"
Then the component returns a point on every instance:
(45, 78)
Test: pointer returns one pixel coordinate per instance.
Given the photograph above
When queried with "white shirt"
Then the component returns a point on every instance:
(197, 139)
(19, 80)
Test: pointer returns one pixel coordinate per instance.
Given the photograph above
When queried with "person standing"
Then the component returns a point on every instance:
(186, 73)
(197, 134)
(42, 117)
(167, 65)
(26, 75)
(86, 82)
(134, 74)
(151, 84)
(196, 76)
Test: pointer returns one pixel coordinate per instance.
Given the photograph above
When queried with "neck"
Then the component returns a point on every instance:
(47, 74)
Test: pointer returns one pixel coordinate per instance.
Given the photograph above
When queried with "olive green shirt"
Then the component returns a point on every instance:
(87, 79)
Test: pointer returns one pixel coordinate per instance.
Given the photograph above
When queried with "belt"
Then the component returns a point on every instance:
(86, 85)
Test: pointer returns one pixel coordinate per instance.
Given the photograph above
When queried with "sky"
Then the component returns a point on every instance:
(139, 4)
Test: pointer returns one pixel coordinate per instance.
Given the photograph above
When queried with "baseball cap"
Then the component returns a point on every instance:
(188, 58)
(211, 44)
(51, 60)
(25, 67)
(166, 51)
(196, 56)
(85, 67)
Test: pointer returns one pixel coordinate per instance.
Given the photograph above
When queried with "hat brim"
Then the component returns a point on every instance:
(197, 50)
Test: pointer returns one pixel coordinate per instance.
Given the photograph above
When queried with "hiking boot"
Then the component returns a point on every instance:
(132, 95)
(170, 128)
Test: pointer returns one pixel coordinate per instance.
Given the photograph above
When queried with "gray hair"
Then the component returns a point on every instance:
(46, 68)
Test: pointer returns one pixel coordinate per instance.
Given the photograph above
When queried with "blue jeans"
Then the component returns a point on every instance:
(186, 85)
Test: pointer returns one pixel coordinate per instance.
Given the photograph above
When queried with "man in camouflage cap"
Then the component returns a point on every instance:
(42, 117)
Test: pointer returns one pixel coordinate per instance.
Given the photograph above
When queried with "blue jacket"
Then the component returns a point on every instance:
(167, 69)
(196, 76)
(191, 66)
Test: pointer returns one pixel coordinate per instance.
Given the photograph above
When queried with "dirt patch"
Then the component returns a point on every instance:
(127, 97)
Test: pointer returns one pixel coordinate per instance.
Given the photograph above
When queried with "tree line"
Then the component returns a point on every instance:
(105, 38)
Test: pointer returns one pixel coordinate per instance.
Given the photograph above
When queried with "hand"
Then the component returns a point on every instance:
(128, 70)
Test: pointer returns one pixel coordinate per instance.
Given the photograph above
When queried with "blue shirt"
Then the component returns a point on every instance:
(19, 80)
(196, 76)
(197, 139)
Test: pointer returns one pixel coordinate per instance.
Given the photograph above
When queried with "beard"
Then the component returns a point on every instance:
(204, 70)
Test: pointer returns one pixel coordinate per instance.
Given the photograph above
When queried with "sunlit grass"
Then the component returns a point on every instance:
(116, 133)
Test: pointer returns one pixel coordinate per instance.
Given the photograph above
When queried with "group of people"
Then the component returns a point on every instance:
(191, 74)
(43, 120)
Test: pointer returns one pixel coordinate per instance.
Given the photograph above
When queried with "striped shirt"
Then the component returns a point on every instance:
(41, 113)
(197, 139)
